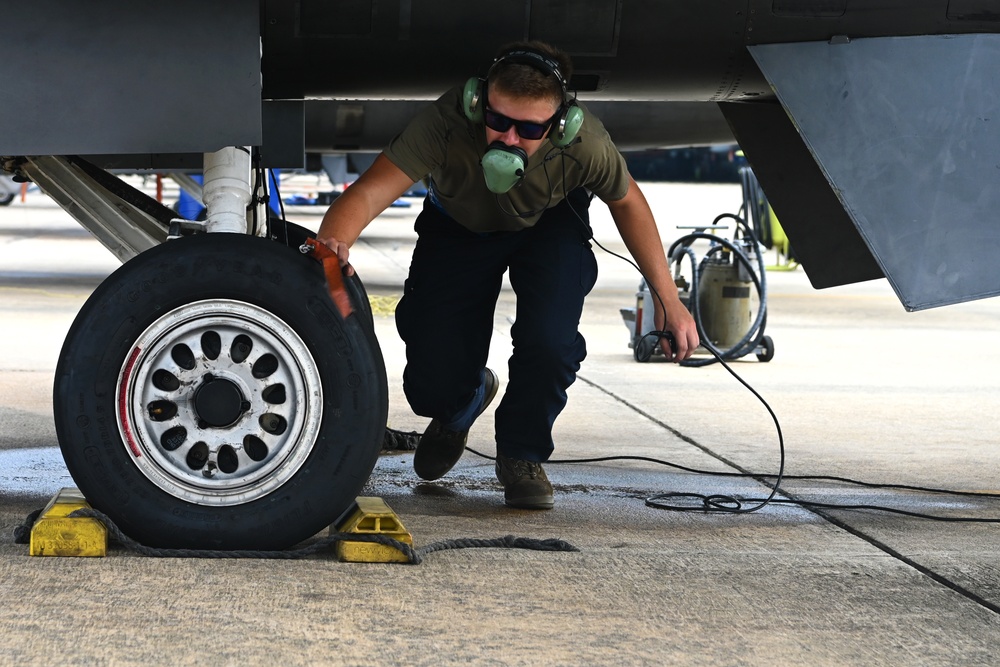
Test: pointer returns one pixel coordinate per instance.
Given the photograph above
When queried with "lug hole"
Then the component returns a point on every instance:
(165, 381)
(161, 411)
(182, 356)
(197, 456)
(240, 349)
(275, 394)
(255, 448)
(272, 423)
(264, 366)
(173, 438)
(211, 345)
(228, 460)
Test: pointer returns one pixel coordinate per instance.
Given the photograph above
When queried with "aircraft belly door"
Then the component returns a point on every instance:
(907, 132)
(824, 240)
(107, 77)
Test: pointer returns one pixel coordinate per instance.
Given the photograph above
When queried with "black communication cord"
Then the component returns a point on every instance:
(256, 198)
(271, 231)
(552, 154)
(277, 193)
(710, 502)
(727, 504)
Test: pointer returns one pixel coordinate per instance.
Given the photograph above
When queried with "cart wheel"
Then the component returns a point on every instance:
(644, 348)
(767, 349)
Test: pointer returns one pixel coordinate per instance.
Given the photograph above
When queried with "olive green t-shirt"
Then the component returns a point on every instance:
(442, 143)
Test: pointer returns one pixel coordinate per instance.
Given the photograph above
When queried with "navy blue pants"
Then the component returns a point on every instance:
(446, 315)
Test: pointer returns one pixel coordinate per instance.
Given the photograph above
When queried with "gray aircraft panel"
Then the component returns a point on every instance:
(907, 131)
(113, 77)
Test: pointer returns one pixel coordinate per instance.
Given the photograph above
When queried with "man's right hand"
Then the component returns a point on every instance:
(342, 250)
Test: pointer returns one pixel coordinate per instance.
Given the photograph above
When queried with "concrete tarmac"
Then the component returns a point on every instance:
(861, 389)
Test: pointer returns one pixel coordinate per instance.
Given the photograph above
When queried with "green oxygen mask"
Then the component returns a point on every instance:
(503, 166)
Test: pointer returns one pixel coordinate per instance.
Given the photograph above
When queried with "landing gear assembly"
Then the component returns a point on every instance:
(210, 394)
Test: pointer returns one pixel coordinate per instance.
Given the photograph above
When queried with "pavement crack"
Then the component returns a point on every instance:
(673, 431)
(843, 525)
(922, 569)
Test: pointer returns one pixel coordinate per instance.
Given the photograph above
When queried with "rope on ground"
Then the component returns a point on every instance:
(398, 441)
(414, 556)
(508, 542)
(22, 533)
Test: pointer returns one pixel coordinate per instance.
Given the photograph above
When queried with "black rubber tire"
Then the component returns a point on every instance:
(220, 268)
(6, 199)
(293, 235)
(644, 349)
(767, 350)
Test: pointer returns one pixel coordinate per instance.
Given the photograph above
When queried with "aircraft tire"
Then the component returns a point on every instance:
(209, 395)
(294, 235)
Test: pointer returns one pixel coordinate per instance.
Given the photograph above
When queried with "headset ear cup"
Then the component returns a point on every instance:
(570, 121)
(472, 96)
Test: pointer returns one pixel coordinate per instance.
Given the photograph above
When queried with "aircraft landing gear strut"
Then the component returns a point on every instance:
(210, 395)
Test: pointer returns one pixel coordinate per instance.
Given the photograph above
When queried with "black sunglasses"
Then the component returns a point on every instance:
(526, 129)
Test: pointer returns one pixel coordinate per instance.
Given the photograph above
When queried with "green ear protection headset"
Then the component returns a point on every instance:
(569, 117)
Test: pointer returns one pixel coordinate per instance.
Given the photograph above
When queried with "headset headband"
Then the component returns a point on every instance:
(533, 59)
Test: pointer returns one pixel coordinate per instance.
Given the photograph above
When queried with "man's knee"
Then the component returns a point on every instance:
(552, 357)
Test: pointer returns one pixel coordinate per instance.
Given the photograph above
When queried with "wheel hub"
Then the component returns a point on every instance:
(222, 402)
(219, 402)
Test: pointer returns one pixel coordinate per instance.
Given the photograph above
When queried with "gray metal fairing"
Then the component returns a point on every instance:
(907, 132)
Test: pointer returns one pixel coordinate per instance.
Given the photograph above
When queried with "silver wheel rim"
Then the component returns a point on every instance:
(219, 402)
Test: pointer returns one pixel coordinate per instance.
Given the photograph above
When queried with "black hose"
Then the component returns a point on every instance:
(752, 338)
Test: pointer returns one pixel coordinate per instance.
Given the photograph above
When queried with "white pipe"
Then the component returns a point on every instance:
(226, 191)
